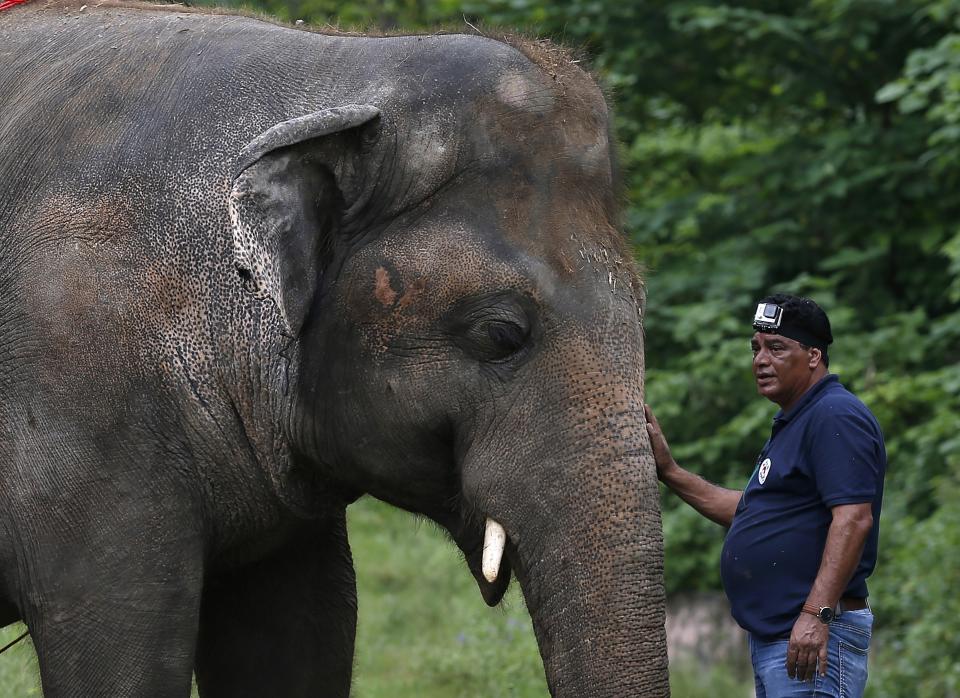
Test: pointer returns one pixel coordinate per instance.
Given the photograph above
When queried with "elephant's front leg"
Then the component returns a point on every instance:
(285, 625)
(113, 602)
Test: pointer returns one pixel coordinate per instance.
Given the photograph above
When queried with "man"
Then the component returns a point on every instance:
(802, 536)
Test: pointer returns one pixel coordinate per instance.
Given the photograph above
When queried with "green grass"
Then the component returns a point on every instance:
(691, 680)
(18, 665)
(424, 631)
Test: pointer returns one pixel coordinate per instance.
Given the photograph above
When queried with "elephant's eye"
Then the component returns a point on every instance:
(493, 328)
(506, 338)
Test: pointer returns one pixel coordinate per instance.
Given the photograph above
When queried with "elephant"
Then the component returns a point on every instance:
(252, 272)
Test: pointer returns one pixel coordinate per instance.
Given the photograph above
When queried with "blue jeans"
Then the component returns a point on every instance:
(846, 663)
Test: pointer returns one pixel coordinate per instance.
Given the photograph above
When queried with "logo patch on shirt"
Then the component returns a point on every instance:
(764, 469)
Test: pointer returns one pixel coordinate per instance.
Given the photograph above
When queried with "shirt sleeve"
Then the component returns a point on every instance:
(845, 452)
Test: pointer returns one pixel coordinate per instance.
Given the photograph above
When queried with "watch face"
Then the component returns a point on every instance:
(826, 614)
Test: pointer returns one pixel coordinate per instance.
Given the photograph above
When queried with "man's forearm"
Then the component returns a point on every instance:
(718, 504)
(841, 553)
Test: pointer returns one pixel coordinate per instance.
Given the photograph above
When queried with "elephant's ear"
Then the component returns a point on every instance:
(289, 187)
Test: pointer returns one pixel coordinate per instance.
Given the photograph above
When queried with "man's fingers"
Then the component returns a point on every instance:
(803, 666)
(807, 665)
(651, 417)
(792, 654)
(822, 660)
(802, 663)
(661, 451)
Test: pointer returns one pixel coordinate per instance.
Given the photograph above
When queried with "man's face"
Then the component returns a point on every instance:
(782, 368)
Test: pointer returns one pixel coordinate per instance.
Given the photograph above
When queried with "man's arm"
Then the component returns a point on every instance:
(845, 540)
(712, 501)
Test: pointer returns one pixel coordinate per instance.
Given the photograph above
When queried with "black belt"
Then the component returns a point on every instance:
(851, 603)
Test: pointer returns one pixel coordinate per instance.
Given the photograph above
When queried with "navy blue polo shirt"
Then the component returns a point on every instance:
(827, 450)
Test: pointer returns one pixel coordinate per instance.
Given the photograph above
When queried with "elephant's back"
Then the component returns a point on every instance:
(119, 128)
(126, 99)
(160, 91)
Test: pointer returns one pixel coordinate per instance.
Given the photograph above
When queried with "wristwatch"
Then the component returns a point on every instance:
(824, 613)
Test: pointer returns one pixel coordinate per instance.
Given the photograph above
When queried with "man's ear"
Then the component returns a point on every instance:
(290, 185)
(816, 357)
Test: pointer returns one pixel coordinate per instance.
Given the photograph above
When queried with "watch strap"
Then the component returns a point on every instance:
(818, 612)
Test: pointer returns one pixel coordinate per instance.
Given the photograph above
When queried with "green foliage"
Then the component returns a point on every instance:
(921, 658)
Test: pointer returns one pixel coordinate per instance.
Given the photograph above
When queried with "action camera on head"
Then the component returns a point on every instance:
(767, 318)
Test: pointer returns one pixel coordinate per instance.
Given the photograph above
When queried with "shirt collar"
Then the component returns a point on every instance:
(781, 418)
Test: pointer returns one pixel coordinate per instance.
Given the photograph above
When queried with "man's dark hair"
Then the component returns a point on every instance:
(804, 321)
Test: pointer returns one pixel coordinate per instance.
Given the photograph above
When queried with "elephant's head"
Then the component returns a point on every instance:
(466, 323)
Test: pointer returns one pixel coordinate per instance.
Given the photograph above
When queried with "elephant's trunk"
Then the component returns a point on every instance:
(581, 513)
(569, 474)
(592, 576)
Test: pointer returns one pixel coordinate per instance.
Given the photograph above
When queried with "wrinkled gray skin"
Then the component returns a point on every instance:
(230, 304)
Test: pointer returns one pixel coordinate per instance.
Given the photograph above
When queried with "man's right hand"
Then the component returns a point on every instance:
(718, 504)
(658, 442)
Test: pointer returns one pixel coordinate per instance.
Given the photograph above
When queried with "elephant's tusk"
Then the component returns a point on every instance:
(493, 541)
